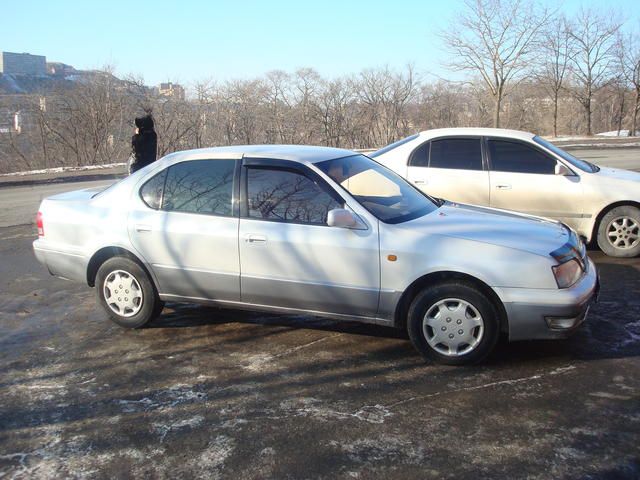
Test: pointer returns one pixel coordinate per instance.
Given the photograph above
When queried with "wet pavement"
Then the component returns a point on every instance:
(211, 393)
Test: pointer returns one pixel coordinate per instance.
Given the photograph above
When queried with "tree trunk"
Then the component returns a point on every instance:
(587, 110)
(555, 114)
(496, 113)
(634, 114)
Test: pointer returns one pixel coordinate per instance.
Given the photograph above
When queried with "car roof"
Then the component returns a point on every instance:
(488, 132)
(299, 153)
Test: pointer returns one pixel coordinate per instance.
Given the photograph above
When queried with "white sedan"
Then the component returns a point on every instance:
(520, 171)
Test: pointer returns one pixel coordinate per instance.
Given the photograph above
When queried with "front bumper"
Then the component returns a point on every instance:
(549, 313)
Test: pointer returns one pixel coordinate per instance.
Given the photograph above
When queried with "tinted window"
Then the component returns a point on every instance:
(420, 156)
(458, 153)
(518, 157)
(201, 186)
(284, 195)
(576, 162)
(151, 191)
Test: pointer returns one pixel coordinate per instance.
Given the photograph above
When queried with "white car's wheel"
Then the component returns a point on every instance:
(453, 323)
(126, 293)
(619, 232)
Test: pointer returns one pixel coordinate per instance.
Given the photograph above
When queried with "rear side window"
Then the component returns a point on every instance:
(287, 196)
(200, 186)
(519, 158)
(151, 191)
(420, 156)
(456, 153)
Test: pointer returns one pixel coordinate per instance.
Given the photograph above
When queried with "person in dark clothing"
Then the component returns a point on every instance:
(144, 143)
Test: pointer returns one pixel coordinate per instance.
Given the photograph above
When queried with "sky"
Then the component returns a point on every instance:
(189, 41)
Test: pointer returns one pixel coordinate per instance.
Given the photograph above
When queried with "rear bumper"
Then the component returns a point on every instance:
(549, 313)
(70, 265)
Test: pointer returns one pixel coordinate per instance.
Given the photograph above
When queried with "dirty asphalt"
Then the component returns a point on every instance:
(210, 393)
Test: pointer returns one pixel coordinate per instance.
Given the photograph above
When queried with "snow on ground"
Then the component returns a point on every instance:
(63, 169)
(615, 133)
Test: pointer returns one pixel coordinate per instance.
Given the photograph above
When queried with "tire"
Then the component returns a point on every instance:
(619, 232)
(469, 317)
(142, 303)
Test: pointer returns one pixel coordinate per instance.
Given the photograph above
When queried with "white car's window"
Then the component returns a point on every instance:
(286, 196)
(420, 156)
(200, 186)
(456, 153)
(576, 162)
(517, 157)
(386, 195)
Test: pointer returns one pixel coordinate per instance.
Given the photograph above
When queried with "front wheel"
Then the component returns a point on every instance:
(453, 323)
(127, 293)
(619, 232)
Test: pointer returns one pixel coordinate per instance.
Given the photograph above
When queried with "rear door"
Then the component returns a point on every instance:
(185, 225)
(523, 179)
(451, 168)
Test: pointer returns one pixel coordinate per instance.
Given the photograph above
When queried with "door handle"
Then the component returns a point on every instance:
(420, 182)
(143, 228)
(255, 239)
(503, 187)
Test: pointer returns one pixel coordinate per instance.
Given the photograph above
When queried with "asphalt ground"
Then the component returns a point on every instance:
(212, 393)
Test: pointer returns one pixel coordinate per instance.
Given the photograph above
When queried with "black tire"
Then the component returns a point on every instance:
(623, 244)
(139, 313)
(426, 301)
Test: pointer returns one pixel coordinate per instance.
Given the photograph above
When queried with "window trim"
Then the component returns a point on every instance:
(234, 188)
(283, 165)
(521, 142)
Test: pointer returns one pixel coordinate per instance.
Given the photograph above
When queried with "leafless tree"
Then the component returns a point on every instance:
(557, 49)
(496, 39)
(593, 35)
(628, 51)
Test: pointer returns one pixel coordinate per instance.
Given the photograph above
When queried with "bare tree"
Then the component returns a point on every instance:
(594, 36)
(628, 48)
(495, 38)
(556, 47)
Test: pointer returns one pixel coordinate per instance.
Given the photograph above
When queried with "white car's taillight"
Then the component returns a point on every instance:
(40, 224)
(567, 273)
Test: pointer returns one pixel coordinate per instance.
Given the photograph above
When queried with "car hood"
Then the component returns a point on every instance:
(497, 227)
(618, 174)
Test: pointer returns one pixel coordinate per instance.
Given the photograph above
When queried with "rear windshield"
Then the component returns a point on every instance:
(394, 145)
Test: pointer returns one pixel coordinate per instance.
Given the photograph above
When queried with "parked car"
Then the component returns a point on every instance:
(520, 171)
(323, 231)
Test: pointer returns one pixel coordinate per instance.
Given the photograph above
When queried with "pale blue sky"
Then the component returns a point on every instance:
(192, 40)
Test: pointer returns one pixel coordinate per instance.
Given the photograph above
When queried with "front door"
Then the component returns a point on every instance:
(523, 179)
(185, 227)
(290, 257)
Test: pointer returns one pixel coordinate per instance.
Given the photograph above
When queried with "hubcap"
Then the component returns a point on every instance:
(122, 293)
(623, 232)
(453, 327)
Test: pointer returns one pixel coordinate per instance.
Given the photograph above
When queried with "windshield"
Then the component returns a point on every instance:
(394, 145)
(576, 162)
(379, 190)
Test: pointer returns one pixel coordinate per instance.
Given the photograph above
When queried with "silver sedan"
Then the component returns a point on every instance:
(323, 231)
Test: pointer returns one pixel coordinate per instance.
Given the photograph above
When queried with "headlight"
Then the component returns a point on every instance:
(567, 273)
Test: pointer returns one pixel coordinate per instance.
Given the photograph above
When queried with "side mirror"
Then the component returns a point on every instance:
(343, 218)
(562, 169)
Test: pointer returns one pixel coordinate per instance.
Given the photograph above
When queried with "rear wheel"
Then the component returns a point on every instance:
(619, 232)
(127, 293)
(453, 323)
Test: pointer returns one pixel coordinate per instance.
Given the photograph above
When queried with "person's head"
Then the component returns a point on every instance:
(144, 123)
(339, 171)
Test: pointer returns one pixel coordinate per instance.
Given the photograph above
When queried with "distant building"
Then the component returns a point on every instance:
(22, 64)
(170, 89)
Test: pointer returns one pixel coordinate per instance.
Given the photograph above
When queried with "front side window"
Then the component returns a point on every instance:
(517, 157)
(386, 195)
(200, 186)
(287, 196)
(151, 191)
(456, 153)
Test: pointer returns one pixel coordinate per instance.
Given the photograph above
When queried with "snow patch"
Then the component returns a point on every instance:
(63, 169)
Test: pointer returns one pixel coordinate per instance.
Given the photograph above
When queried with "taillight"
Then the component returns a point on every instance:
(40, 224)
